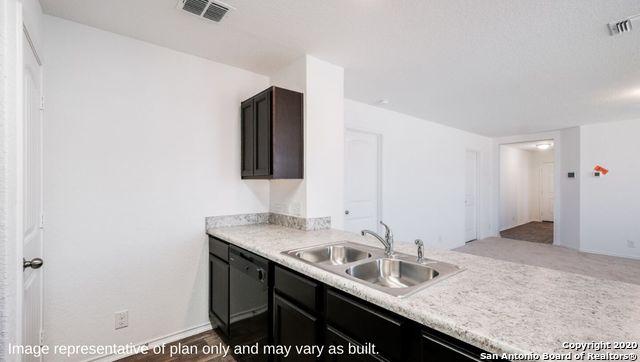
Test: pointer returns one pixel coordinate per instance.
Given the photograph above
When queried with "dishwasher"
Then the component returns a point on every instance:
(239, 296)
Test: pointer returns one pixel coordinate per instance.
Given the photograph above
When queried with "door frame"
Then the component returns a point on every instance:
(555, 137)
(477, 182)
(379, 138)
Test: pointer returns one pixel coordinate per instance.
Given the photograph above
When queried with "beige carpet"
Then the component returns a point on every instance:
(556, 257)
(535, 231)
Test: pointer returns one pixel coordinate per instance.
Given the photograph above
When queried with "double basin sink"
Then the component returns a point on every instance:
(400, 275)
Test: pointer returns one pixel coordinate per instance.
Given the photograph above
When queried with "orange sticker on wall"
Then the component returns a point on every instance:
(601, 169)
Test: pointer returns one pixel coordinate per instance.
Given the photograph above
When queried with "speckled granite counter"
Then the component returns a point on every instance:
(499, 306)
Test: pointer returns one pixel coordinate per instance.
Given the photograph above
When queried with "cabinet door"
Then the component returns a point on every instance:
(434, 350)
(219, 292)
(247, 130)
(293, 327)
(262, 114)
(364, 323)
(335, 338)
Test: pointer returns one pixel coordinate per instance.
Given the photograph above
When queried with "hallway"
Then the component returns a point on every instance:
(535, 231)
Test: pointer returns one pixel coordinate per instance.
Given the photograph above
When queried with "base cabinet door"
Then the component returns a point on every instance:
(293, 326)
(434, 350)
(219, 292)
(356, 354)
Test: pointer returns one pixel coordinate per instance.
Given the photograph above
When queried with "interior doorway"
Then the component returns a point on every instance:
(362, 181)
(527, 191)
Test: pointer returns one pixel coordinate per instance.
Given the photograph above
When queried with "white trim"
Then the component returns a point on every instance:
(19, 159)
(477, 195)
(31, 44)
(379, 176)
(608, 253)
(158, 341)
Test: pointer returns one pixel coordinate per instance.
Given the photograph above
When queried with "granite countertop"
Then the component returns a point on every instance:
(499, 306)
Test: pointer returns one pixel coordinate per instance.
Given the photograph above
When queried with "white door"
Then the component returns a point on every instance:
(362, 184)
(471, 196)
(32, 200)
(547, 192)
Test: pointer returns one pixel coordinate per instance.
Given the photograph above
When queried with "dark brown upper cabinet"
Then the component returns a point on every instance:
(272, 135)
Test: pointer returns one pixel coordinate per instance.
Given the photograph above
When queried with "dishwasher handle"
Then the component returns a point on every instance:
(249, 264)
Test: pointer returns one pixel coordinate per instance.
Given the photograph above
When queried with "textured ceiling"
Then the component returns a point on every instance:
(493, 67)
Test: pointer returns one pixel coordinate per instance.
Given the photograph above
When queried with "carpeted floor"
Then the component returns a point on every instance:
(556, 257)
(537, 232)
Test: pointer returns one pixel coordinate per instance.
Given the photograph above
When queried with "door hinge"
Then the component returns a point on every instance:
(42, 337)
(41, 221)
(42, 103)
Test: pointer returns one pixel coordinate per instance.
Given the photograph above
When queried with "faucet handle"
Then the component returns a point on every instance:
(387, 232)
(420, 247)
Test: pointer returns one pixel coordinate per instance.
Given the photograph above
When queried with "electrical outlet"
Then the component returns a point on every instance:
(122, 319)
(631, 244)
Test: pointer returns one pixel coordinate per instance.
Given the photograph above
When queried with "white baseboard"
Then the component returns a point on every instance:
(600, 252)
(158, 341)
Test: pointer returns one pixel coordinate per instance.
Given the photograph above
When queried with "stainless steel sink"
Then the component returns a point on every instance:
(332, 254)
(399, 275)
(392, 273)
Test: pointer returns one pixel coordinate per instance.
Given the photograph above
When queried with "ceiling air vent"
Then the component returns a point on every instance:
(622, 26)
(205, 9)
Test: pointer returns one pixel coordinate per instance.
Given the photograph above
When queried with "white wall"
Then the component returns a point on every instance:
(320, 193)
(568, 190)
(289, 197)
(324, 141)
(423, 175)
(517, 179)
(610, 205)
(141, 143)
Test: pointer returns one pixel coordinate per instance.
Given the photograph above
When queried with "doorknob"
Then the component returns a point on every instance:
(34, 263)
(346, 212)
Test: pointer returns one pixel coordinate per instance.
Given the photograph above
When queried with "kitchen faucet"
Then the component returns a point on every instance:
(387, 241)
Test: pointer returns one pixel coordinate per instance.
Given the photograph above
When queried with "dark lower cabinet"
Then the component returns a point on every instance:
(366, 324)
(219, 292)
(292, 326)
(337, 339)
(435, 349)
